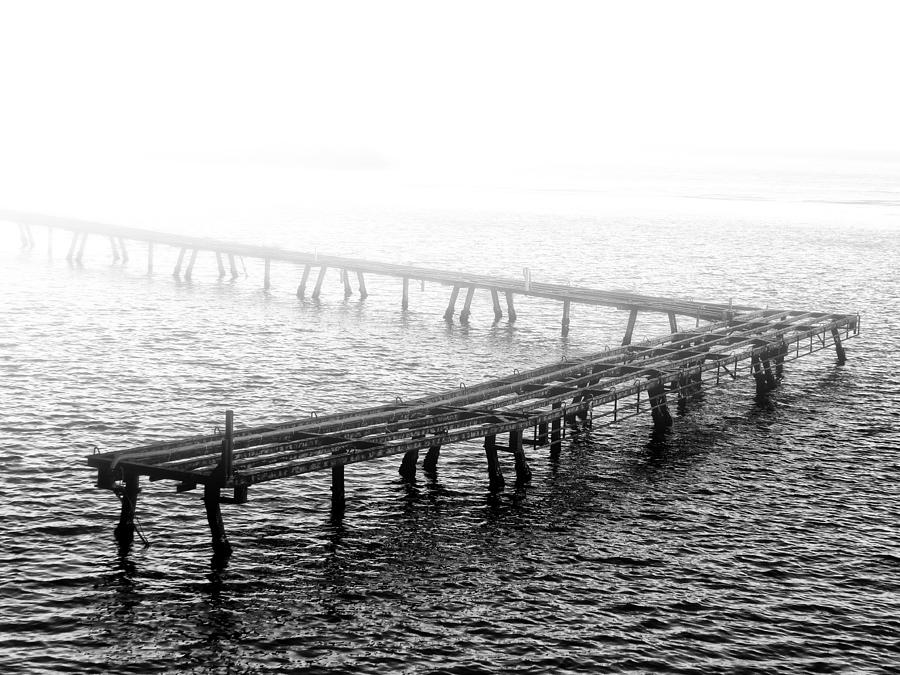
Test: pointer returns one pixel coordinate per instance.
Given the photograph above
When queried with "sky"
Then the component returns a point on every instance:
(438, 85)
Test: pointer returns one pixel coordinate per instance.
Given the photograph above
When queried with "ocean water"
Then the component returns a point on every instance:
(755, 536)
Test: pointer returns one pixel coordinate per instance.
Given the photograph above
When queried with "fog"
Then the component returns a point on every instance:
(107, 100)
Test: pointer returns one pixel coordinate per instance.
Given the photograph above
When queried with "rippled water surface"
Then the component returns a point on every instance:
(755, 536)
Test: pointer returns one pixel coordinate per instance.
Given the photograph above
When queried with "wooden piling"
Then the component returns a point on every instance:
(523, 471)
(81, 247)
(839, 348)
(212, 495)
(565, 318)
(267, 281)
(337, 487)
(317, 289)
(758, 375)
(673, 322)
(629, 329)
(129, 494)
(220, 264)
(467, 306)
(345, 281)
(408, 465)
(451, 306)
(771, 382)
(404, 303)
(226, 460)
(555, 429)
(510, 308)
(188, 273)
(301, 289)
(233, 266)
(495, 475)
(363, 293)
(542, 435)
(429, 464)
(495, 299)
(177, 271)
(658, 406)
(115, 249)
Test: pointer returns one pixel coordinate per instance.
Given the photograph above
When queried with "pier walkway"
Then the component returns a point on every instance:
(189, 247)
(533, 408)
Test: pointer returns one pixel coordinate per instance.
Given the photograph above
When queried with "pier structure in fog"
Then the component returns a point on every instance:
(534, 408)
(189, 248)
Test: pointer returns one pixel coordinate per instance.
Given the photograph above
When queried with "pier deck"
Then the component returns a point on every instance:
(190, 246)
(599, 389)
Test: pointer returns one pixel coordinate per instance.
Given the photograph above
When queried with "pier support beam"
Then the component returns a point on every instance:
(523, 471)
(337, 487)
(510, 308)
(542, 435)
(301, 289)
(565, 318)
(363, 293)
(220, 264)
(629, 329)
(771, 382)
(317, 289)
(188, 273)
(495, 299)
(555, 430)
(233, 266)
(429, 464)
(345, 282)
(211, 499)
(129, 495)
(839, 348)
(451, 306)
(758, 375)
(781, 351)
(81, 247)
(177, 271)
(404, 302)
(495, 476)
(71, 254)
(408, 465)
(267, 281)
(467, 306)
(659, 408)
(673, 322)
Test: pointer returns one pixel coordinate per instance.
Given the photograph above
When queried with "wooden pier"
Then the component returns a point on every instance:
(303, 264)
(532, 408)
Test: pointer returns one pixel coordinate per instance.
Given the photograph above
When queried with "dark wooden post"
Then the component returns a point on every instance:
(404, 302)
(771, 382)
(337, 486)
(408, 465)
(629, 329)
(658, 406)
(565, 319)
(226, 461)
(467, 306)
(125, 529)
(495, 476)
(451, 306)
(779, 360)
(363, 293)
(211, 497)
(758, 375)
(523, 471)
(301, 289)
(317, 289)
(510, 308)
(555, 428)
(839, 348)
(429, 464)
(673, 322)
(542, 434)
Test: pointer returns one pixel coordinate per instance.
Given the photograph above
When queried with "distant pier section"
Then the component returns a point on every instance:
(462, 284)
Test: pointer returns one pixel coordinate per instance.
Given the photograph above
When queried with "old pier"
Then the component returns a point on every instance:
(526, 409)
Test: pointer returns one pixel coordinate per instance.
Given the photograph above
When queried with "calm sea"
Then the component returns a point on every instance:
(756, 536)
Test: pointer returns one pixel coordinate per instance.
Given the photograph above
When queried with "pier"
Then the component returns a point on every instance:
(517, 419)
(310, 268)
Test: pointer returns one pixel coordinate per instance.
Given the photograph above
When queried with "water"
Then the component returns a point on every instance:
(754, 536)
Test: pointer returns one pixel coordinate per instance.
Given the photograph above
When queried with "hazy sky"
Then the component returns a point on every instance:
(456, 82)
